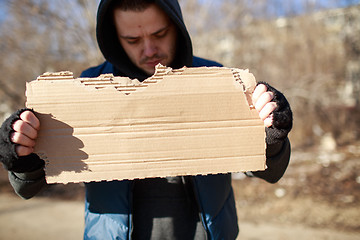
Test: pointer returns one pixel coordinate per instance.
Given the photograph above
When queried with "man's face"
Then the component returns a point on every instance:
(148, 37)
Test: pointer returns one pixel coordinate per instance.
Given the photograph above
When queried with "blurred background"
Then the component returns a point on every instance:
(308, 49)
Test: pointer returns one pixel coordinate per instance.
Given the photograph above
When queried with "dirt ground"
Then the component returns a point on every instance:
(318, 198)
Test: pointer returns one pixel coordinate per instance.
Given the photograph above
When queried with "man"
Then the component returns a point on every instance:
(134, 36)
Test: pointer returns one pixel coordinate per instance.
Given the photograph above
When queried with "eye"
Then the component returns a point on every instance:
(132, 40)
(161, 34)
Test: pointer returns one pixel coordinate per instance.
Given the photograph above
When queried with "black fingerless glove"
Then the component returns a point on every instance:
(8, 155)
(282, 118)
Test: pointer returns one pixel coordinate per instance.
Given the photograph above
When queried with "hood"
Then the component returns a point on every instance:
(115, 54)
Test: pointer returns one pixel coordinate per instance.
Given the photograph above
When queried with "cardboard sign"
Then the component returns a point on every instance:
(187, 121)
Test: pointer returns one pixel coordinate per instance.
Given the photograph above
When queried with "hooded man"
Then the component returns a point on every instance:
(134, 36)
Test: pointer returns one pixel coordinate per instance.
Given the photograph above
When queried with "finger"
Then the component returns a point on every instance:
(25, 128)
(268, 122)
(264, 99)
(267, 110)
(23, 151)
(30, 118)
(21, 139)
(259, 90)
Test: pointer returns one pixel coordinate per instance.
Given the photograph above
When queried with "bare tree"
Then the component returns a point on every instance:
(304, 54)
(286, 43)
(39, 36)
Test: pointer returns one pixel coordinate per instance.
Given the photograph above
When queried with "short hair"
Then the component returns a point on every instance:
(132, 5)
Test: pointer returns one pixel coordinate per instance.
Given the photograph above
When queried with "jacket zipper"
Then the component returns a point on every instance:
(201, 211)
(131, 224)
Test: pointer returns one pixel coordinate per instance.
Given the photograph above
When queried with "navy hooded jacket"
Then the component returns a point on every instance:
(108, 212)
(108, 205)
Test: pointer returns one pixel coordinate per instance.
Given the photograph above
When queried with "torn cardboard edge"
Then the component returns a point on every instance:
(188, 121)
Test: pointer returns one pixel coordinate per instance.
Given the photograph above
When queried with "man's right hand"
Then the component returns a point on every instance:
(25, 133)
(17, 140)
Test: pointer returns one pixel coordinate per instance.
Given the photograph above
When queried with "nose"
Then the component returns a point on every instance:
(150, 48)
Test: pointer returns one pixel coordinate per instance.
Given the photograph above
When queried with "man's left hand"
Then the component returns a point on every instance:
(262, 100)
(274, 110)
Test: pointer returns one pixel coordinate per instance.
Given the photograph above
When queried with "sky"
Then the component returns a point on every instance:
(2, 13)
(280, 8)
(327, 4)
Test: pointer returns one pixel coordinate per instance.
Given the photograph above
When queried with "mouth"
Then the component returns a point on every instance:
(153, 63)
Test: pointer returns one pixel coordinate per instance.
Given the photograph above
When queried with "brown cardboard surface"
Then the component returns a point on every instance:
(187, 121)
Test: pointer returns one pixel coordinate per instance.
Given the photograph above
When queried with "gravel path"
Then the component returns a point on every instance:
(44, 218)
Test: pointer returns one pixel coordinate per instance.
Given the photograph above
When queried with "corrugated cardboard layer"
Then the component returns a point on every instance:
(178, 122)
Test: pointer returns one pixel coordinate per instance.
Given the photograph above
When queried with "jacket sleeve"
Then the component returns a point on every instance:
(277, 160)
(27, 184)
(277, 141)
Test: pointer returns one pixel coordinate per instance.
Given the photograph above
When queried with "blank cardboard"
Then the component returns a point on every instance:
(188, 121)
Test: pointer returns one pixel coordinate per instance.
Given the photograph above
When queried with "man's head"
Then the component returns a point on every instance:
(170, 41)
(146, 33)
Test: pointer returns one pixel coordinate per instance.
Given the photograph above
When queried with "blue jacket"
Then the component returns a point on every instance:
(108, 208)
(108, 205)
